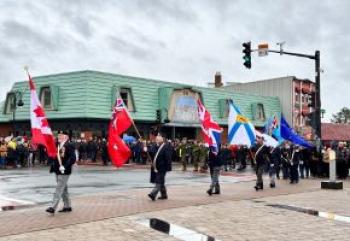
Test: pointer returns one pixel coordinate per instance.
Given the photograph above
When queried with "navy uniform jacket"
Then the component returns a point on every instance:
(296, 157)
(163, 161)
(68, 160)
(215, 160)
(262, 155)
(276, 156)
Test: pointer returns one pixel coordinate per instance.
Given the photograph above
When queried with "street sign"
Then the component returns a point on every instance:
(263, 50)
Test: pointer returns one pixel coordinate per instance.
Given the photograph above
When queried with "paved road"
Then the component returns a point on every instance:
(239, 213)
(37, 185)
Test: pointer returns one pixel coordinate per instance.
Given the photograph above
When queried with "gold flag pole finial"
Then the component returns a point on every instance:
(26, 68)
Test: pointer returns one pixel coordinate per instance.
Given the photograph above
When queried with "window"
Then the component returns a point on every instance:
(45, 98)
(296, 97)
(125, 94)
(260, 113)
(10, 103)
(304, 98)
(224, 108)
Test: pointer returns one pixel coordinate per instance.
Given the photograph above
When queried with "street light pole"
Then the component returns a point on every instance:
(17, 95)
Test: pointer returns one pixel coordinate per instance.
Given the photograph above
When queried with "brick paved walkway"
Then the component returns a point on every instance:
(223, 218)
(108, 205)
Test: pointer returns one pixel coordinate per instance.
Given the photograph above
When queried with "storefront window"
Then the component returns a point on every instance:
(125, 94)
(45, 98)
(260, 114)
(10, 103)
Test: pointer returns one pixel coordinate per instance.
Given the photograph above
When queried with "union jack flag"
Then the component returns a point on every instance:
(211, 131)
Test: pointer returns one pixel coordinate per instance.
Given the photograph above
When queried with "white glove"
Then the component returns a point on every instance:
(62, 169)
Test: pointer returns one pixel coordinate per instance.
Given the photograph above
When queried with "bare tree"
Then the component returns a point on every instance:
(343, 116)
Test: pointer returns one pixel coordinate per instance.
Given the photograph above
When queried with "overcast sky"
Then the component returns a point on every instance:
(180, 41)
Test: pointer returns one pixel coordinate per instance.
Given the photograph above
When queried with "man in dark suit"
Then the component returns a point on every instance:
(62, 167)
(160, 166)
(262, 155)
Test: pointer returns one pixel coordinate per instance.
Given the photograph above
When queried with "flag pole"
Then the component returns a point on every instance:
(138, 133)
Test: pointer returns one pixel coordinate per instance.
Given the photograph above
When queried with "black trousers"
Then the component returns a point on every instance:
(294, 174)
(160, 183)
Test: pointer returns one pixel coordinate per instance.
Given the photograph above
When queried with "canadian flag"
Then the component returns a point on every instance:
(118, 151)
(41, 131)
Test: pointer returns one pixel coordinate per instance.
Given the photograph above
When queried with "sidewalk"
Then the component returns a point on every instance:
(91, 208)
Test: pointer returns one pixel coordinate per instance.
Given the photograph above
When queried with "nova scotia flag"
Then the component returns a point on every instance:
(240, 130)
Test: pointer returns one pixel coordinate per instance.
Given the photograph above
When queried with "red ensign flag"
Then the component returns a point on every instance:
(118, 151)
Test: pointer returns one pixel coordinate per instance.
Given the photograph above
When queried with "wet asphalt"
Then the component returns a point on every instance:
(37, 184)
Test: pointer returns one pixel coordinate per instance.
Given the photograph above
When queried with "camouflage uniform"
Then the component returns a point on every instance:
(182, 155)
(195, 157)
(203, 155)
(187, 156)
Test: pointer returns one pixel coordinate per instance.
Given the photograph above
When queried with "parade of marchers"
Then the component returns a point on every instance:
(20, 152)
(279, 159)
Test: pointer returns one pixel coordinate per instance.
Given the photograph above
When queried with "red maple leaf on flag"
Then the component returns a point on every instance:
(44, 123)
(39, 111)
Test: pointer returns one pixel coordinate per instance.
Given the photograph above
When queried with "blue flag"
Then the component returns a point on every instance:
(273, 128)
(289, 134)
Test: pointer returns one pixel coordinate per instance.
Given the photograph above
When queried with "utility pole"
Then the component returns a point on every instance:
(316, 57)
(318, 94)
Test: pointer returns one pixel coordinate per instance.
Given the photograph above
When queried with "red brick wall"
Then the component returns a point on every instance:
(5, 129)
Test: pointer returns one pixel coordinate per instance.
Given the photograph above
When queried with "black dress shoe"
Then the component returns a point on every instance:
(65, 210)
(257, 188)
(50, 210)
(163, 197)
(152, 197)
(210, 192)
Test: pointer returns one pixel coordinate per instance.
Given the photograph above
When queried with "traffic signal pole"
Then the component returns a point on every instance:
(316, 57)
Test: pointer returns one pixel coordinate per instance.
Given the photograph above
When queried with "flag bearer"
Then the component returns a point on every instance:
(261, 156)
(215, 164)
(62, 167)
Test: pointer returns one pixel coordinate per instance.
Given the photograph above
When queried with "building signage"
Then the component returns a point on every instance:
(183, 107)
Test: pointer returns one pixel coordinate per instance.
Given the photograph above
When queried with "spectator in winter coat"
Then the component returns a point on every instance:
(3, 154)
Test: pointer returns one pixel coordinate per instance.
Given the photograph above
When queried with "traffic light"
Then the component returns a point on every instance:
(158, 116)
(312, 100)
(247, 55)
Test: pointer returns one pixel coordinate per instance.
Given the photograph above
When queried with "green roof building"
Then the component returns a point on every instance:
(82, 101)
